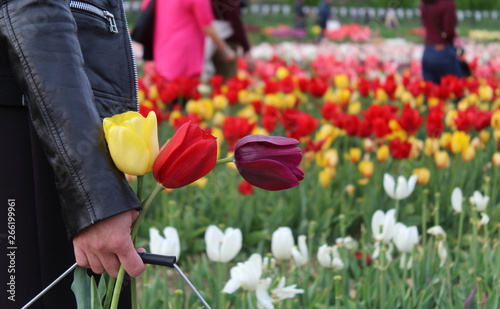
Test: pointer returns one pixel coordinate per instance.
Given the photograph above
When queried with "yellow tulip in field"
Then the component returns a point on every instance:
(132, 141)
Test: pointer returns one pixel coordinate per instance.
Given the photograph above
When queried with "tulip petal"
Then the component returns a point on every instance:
(213, 238)
(389, 185)
(128, 150)
(268, 174)
(401, 188)
(231, 245)
(276, 140)
(456, 199)
(195, 162)
(291, 155)
(231, 286)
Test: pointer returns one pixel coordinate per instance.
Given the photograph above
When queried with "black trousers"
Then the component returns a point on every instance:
(34, 246)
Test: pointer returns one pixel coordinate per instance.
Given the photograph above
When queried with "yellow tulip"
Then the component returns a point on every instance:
(423, 175)
(485, 93)
(366, 168)
(341, 81)
(445, 140)
(220, 102)
(354, 108)
(431, 146)
(326, 176)
(442, 159)
(496, 159)
(354, 154)
(132, 141)
(450, 118)
(383, 153)
(495, 120)
(469, 153)
(459, 142)
(282, 72)
(484, 136)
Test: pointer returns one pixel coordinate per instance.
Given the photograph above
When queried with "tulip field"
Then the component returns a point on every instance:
(399, 202)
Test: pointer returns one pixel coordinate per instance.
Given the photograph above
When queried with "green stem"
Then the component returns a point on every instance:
(474, 239)
(118, 288)
(145, 208)
(460, 231)
(436, 209)
(225, 160)
(133, 292)
(109, 292)
(424, 218)
(479, 294)
(397, 209)
(382, 286)
(338, 291)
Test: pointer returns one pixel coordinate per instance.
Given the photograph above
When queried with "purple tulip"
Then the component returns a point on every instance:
(269, 162)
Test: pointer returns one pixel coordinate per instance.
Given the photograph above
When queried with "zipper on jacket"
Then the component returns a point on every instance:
(87, 7)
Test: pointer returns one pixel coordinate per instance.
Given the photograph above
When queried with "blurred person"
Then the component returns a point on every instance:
(391, 19)
(439, 58)
(229, 26)
(179, 37)
(62, 69)
(300, 15)
(324, 14)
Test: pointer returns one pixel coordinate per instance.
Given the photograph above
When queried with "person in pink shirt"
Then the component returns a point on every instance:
(179, 37)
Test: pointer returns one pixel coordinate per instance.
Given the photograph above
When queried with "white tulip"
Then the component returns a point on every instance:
(264, 301)
(479, 200)
(300, 253)
(403, 189)
(442, 253)
(405, 238)
(222, 247)
(245, 275)
(456, 199)
(348, 242)
(485, 219)
(383, 225)
(168, 245)
(388, 251)
(329, 257)
(437, 231)
(282, 243)
(282, 292)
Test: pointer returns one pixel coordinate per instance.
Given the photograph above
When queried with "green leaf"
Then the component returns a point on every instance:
(101, 288)
(81, 288)
(94, 295)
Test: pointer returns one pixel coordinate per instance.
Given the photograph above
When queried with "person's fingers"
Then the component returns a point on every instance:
(131, 261)
(81, 258)
(95, 264)
(140, 250)
(111, 264)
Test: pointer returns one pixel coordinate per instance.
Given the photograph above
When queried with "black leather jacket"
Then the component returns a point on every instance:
(73, 66)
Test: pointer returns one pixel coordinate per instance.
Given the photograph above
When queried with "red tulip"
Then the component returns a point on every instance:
(410, 119)
(189, 155)
(245, 188)
(400, 149)
(235, 128)
(269, 162)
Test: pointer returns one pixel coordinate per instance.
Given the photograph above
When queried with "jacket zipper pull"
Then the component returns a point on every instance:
(112, 23)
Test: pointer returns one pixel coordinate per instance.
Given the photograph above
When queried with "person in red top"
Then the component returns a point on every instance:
(440, 58)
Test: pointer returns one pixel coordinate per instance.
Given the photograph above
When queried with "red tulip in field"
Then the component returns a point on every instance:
(235, 128)
(410, 119)
(189, 155)
(269, 162)
(400, 149)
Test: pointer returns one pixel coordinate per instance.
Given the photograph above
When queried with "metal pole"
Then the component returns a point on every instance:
(69, 270)
(192, 286)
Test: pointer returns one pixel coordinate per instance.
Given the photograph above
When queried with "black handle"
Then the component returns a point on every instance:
(157, 259)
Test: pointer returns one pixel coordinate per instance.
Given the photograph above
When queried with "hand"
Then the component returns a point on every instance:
(107, 244)
(250, 62)
(229, 54)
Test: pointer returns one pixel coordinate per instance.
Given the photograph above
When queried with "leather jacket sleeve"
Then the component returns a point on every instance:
(48, 63)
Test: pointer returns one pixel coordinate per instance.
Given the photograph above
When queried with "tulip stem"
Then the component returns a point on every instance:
(460, 231)
(145, 208)
(225, 160)
(118, 287)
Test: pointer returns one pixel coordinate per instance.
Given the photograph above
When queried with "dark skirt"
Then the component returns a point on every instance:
(34, 243)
